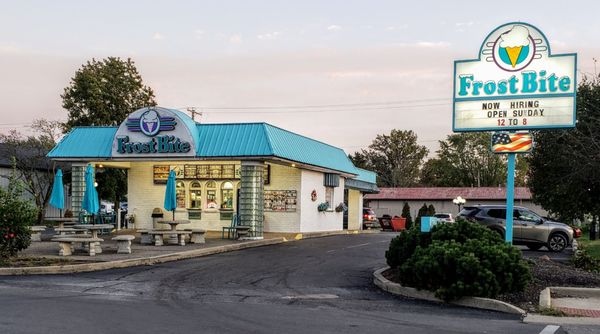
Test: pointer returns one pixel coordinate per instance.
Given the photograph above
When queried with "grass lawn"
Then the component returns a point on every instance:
(591, 247)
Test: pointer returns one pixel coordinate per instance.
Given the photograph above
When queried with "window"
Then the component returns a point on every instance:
(211, 195)
(529, 216)
(180, 194)
(329, 196)
(227, 195)
(195, 195)
(497, 213)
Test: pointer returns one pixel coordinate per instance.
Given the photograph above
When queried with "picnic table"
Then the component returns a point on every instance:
(173, 238)
(62, 221)
(94, 228)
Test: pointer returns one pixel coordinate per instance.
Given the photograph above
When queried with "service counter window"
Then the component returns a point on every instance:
(180, 194)
(211, 195)
(195, 195)
(227, 195)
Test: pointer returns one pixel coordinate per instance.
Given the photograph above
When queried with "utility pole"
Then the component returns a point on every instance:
(193, 112)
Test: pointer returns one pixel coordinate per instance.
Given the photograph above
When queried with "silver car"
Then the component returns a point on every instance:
(529, 228)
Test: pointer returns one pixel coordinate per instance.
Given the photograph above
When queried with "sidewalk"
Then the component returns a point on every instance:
(585, 307)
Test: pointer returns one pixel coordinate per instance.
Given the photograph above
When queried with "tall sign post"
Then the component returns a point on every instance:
(515, 84)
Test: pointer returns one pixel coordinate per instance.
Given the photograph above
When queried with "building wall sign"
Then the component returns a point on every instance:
(154, 132)
(515, 84)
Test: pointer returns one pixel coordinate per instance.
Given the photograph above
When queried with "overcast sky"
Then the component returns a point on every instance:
(341, 71)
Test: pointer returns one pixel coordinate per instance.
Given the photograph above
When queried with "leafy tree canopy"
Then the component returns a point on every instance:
(396, 158)
(564, 173)
(104, 92)
(465, 160)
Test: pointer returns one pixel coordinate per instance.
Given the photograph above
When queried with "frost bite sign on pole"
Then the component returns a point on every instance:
(515, 84)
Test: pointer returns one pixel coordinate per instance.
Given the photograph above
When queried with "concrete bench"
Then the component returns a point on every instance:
(145, 237)
(36, 232)
(197, 236)
(124, 243)
(66, 244)
(159, 236)
(242, 231)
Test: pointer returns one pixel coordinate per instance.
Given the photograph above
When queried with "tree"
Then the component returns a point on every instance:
(423, 212)
(406, 214)
(31, 164)
(430, 210)
(564, 174)
(16, 215)
(104, 92)
(396, 158)
(465, 160)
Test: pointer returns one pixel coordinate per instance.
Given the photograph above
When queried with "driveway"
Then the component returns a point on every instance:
(319, 285)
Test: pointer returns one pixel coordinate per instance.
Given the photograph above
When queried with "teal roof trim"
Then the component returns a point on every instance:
(366, 175)
(292, 146)
(85, 142)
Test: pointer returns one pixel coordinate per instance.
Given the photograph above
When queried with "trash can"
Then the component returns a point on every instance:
(398, 223)
(386, 222)
(157, 214)
(124, 222)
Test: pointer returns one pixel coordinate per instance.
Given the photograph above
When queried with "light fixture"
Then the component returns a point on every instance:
(95, 184)
(293, 165)
(100, 166)
(459, 201)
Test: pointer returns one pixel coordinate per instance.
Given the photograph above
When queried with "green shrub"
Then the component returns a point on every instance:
(456, 260)
(584, 261)
(404, 245)
(406, 214)
(16, 215)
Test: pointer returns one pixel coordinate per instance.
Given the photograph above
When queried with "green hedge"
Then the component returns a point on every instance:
(458, 259)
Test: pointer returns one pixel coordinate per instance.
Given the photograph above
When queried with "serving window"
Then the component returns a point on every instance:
(195, 195)
(227, 195)
(180, 194)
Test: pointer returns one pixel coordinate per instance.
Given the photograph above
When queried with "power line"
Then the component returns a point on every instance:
(325, 110)
(325, 105)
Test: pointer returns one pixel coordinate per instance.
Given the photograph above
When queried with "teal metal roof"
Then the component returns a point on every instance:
(366, 175)
(86, 142)
(291, 146)
(224, 140)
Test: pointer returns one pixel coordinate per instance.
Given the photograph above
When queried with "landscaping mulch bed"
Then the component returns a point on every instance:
(36, 262)
(547, 273)
(544, 273)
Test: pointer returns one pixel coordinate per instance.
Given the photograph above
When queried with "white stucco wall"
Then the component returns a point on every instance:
(311, 219)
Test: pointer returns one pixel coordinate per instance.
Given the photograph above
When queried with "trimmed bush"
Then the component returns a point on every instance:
(16, 215)
(456, 260)
(406, 214)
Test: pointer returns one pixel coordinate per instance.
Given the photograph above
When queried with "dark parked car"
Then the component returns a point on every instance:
(369, 218)
(529, 228)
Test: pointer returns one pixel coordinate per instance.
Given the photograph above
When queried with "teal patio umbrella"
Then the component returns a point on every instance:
(57, 197)
(170, 194)
(90, 202)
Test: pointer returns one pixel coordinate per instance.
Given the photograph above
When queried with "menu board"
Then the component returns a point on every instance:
(161, 173)
(203, 172)
(280, 200)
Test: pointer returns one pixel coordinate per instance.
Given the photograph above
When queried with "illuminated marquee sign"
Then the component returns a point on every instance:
(154, 132)
(515, 84)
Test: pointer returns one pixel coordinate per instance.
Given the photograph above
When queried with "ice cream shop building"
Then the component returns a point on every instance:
(272, 179)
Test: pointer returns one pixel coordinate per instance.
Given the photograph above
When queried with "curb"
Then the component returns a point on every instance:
(473, 302)
(148, 261)
(545, 319)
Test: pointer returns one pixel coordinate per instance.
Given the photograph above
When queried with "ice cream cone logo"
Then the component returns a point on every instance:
(150, 123)
(513, 49)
